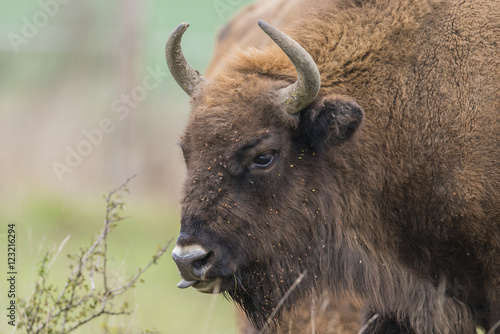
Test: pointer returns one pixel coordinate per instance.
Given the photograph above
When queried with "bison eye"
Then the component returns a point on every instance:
(263, 160)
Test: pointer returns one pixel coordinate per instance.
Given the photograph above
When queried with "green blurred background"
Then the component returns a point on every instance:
(65, 68)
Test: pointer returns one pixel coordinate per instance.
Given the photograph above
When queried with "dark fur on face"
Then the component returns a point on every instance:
(387, 185)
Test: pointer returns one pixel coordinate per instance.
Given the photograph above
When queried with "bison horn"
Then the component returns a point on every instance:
(186, 76)
(299, 95)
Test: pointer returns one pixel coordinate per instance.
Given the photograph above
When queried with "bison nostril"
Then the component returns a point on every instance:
(201, 263)
(193, 261)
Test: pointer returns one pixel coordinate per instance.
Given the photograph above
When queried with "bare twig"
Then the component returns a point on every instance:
(283, 299)
(123, 288)
(111, 218)
(110, 209)
(39, 289)
(372, 319)
(76, 304)
(102, 312)
(495, 326)
(61, 246)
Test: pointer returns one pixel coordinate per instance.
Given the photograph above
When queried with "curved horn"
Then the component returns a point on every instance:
(186, 76)
(299, 95)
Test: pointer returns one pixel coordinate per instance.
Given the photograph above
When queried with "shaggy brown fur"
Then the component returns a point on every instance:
(325, 314)
(399, 202)
(242, 30)
(328, 315)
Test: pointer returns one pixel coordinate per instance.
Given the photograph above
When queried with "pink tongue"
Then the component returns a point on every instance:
(185, 284)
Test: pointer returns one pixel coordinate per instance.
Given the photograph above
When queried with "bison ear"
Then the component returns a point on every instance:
(330, 121)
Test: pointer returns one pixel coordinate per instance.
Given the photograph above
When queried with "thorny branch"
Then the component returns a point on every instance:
(77, 304)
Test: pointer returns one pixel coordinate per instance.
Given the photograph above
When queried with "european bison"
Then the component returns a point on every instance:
(365, 158)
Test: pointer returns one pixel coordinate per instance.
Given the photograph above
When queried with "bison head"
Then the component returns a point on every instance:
(259, 197)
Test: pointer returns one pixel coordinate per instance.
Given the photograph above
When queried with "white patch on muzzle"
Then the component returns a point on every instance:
(182, 251)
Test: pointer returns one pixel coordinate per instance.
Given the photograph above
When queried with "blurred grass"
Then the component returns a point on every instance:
(62, 81)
